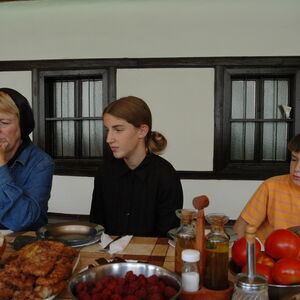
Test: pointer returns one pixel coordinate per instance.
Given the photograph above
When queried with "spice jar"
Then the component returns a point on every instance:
(216, 249)
(185, 235)
(190, 274)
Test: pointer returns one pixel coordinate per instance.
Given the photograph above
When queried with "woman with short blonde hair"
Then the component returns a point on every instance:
(25, 170)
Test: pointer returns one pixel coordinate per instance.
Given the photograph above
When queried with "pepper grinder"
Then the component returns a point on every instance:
(250, 286)
(200, 203)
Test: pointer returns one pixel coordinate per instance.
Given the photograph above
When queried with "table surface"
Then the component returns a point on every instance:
(155, 251)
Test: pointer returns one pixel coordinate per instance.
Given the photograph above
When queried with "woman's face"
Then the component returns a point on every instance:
(10, 134)
(124, 139)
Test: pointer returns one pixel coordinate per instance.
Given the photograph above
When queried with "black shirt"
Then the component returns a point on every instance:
(141, 202)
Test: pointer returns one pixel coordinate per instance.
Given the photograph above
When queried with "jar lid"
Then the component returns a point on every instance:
(190, 255)
(259, 282)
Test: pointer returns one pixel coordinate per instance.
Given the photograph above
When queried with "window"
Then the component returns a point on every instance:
(256, 124)
(71, 128)
(250, 128)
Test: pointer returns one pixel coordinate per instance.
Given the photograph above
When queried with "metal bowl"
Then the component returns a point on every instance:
(120, 270)
(279, 292)
(276, 291)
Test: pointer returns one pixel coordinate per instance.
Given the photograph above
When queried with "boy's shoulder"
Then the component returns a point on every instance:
(278, 180)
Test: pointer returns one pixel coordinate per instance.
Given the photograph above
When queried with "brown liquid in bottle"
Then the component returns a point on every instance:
(182, 244)
(216, 267)
(185, 235)
(216, 251)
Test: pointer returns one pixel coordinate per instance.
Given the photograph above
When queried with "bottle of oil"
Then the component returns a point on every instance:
(216, 249)
(185, 235)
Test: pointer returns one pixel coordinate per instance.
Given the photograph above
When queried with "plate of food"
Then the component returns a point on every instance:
(76, 234)
(39, 270)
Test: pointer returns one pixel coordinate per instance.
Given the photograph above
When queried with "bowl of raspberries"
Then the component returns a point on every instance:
(125, 281)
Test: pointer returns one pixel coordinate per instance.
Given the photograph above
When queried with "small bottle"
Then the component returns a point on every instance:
(190, 273)
(216, 249)
(185, 235)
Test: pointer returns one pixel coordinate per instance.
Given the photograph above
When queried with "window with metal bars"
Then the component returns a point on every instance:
(255, 121)
(258, 123)
(70, 119)
(73, 118)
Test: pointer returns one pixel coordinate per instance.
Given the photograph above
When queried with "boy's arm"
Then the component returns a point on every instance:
(240, 226)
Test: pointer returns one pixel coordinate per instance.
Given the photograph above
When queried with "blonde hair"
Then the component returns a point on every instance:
(136, 112)
(7, 105)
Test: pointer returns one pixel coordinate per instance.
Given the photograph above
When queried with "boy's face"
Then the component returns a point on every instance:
(295, 168)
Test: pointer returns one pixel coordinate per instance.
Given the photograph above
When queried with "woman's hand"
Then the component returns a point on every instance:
(3, 146)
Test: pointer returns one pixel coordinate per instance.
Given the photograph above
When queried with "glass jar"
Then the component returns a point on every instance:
(216, 249)
(185, 235)
(190, 277)
(257, 289)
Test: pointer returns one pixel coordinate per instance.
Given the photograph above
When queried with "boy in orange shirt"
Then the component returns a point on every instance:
(276, 203)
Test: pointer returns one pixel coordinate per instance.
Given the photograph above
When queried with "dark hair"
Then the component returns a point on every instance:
(136, 112)
(294, 144)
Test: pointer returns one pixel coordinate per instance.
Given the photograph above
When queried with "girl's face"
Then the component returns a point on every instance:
(125, 140)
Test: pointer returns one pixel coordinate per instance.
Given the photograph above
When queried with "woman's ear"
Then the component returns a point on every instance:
(143, 130)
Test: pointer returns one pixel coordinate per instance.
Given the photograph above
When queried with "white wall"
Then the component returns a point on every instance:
(53, 29)
(45, 29)
(182, 106)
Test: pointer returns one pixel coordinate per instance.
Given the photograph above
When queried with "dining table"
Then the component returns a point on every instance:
(152, 250)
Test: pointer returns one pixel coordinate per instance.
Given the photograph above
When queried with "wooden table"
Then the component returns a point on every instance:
(155, 251)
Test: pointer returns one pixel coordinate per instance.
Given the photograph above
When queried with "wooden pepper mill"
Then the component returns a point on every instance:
(200, 203)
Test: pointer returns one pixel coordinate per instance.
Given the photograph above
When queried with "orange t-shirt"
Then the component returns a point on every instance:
(275, 204)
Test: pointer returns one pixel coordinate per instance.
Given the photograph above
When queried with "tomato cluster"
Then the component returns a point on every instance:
(281, 261)
(132, 287)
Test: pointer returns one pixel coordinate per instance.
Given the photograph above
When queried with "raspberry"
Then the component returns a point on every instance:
(154, 288)
(141, 293)
(153, 279)
(116, 297)
(131, 297)
(169, 292)
(156, 296)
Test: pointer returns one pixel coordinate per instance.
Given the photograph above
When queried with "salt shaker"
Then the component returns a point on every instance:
(190, 273)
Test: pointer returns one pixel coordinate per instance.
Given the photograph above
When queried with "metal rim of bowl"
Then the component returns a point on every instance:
(176, 279)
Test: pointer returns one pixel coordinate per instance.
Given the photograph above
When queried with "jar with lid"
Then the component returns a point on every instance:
(185, 235)
(190, 274)
(216, 249)
(250, 289)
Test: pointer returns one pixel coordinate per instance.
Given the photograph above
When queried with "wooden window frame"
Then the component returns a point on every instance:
(67, 166)
(245, 170)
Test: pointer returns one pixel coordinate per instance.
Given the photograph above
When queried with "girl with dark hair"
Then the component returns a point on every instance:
(137, 191)
(25, 170)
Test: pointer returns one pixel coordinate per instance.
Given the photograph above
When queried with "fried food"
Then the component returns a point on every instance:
(37, 271)
(39, 258)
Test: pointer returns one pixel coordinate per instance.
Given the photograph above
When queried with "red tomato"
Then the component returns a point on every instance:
(239, 251)
(282, 243)
(262, 270)
(265, 260)
(286, 271)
